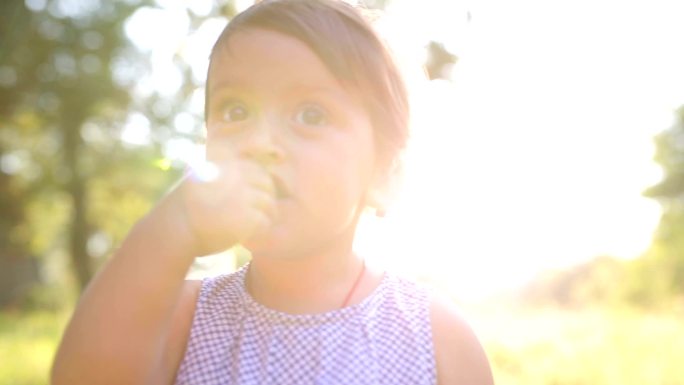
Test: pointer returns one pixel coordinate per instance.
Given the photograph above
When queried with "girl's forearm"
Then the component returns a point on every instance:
(118, 331)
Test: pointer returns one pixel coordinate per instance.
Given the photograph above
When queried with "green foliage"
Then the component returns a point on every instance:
(599, 281)
(661, 270)
(69, 184)
(670, 156)
(55, 67)
(439, 62)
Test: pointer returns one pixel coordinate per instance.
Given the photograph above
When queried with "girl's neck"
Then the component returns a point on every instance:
(309, 284)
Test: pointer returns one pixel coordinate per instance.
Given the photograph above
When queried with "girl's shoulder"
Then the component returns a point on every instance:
(459, 355)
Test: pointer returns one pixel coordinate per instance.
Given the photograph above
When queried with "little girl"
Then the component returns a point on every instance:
(306, 115)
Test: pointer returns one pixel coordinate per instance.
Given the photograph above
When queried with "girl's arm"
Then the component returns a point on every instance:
(119, 333)
(131, 324)
(461, 360)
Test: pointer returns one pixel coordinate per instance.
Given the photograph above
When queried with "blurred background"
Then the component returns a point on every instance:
(544, 183)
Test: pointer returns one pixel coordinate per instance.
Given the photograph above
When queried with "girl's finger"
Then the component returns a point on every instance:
(265, 203)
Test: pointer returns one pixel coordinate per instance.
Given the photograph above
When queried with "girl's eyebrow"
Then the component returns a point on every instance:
(317, 89)
(335, 95)
(225, 85)
(339, 95)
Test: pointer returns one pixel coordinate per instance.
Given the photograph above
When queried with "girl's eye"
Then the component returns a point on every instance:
(311, 115)
(234, 112)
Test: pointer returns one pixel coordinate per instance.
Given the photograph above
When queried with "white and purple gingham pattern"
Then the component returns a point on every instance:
(385, 339)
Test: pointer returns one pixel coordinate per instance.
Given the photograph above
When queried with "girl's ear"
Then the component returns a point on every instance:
(377, 201)
(384, 189)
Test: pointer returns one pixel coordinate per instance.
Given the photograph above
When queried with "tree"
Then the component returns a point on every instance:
(663, 266)
(60, 115)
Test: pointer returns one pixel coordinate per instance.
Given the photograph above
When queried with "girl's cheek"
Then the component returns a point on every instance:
(219, 149)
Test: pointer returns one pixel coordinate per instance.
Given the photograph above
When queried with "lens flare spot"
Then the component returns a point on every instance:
(204, 171)
(163, 164)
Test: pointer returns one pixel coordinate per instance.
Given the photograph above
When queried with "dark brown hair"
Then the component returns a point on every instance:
(349, 47)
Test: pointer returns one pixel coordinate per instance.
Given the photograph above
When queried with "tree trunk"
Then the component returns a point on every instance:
(76, 188)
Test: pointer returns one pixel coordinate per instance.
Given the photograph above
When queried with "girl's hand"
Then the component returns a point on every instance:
(222, 206)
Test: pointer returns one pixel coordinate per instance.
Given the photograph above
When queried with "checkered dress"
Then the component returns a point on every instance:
(385, 339)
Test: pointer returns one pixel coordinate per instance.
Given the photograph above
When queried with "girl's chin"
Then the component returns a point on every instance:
(267, 241)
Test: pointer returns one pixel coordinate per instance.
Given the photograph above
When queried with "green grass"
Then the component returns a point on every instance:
(27, 345)
(560, 347)
(531, 347)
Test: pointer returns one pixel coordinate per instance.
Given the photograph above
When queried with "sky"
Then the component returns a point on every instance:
(533, 156)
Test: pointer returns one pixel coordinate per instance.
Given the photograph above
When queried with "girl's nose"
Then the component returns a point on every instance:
(262, 146)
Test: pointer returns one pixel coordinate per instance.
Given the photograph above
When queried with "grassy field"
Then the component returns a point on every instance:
(27, 345)
(561, 347)
(531, 347)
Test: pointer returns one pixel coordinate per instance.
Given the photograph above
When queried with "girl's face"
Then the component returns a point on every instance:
(274, 102)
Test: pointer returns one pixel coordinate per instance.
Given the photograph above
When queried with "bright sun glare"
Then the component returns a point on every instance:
(533, 156)
(536, 154)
